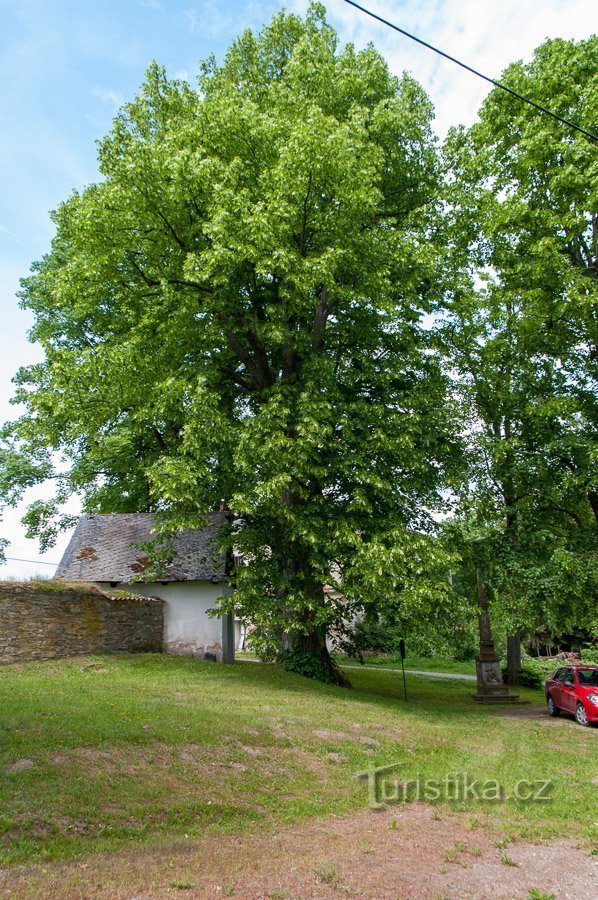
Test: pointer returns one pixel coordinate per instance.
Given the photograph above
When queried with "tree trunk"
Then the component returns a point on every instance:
(307, 654)
(513, 657)
(303, 650)
(302, 644)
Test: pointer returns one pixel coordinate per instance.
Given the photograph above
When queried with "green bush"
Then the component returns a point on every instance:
(309, 664)
(589, 654)
(371, 637)
(529, 675)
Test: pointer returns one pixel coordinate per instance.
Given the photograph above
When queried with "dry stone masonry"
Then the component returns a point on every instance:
(39, 621)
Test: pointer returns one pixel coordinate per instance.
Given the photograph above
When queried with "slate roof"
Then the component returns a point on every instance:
(102, 548)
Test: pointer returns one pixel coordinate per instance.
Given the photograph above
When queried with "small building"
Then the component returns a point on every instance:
(105, 550)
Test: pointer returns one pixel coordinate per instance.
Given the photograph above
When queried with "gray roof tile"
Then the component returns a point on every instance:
(102, 548)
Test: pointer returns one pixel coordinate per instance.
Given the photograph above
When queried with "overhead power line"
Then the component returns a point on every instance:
(473, 71)
(37, 562)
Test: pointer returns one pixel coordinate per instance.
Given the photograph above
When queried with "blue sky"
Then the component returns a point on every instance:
(66, 66)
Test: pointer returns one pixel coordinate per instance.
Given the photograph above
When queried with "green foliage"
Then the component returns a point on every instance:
(589, 654)
(451, 631)
(235, 311)
(535, 670)
(240, 308)
(521, 330)
(372, 636)
(529, 675)
(309, 664)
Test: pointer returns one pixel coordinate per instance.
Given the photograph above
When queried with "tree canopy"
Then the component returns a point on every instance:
(279, 295)
(521, 324)
(236, 311)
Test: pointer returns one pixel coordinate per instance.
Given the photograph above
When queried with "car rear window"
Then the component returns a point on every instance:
(588, 677)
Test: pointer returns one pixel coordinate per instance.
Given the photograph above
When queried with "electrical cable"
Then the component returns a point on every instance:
(37, 562)
(463, 65)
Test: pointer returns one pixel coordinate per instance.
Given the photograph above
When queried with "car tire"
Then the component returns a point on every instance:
(581, 715)
(552, 709)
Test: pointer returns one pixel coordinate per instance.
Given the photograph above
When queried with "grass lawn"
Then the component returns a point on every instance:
(421, 663)
(97, 753)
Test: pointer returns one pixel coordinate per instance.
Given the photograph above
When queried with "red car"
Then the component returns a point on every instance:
(574, 689)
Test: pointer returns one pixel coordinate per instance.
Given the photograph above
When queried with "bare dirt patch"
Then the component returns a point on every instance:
(527, 712)
(410, 851)
(21, 765)
(324, 735)
(540, 714)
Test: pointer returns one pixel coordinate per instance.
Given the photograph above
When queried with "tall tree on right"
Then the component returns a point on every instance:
(522, 327)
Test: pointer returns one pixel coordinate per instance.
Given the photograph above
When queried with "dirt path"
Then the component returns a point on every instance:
(407, 852)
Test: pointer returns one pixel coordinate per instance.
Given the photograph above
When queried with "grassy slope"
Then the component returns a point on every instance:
(420, 663)
(132, 748)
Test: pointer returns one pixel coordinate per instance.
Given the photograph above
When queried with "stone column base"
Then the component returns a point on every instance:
(491, 688)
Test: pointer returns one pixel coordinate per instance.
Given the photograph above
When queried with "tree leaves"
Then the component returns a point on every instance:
(522, 328)
(234, 311)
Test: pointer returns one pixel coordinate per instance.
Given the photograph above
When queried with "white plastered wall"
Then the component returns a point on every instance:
(188, 629)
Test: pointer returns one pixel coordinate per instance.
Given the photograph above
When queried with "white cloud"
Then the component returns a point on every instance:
(107, 96)
(212, 20)
(191, 19)
(482, 33)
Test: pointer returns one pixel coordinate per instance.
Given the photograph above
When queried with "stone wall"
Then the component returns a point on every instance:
(39, 621)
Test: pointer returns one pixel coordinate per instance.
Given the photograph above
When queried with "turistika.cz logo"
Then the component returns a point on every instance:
(384, 787)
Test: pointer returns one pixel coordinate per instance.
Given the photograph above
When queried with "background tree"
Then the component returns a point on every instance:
(522, 327)
(234, 311)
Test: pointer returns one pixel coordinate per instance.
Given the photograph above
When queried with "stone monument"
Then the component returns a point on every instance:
(491, 687)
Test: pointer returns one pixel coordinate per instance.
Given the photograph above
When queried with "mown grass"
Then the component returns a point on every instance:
(421, 663)
(97, 753)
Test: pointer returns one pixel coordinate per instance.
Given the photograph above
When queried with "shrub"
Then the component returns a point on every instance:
(589, 654)
(309, 664)
(528, 676)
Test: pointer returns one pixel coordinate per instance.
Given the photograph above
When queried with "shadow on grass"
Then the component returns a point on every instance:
(425, 694)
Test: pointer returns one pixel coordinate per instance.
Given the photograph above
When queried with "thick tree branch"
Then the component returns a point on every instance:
(259, 373)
